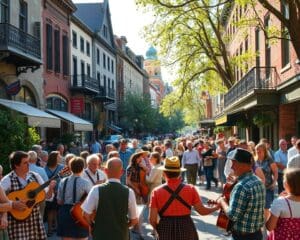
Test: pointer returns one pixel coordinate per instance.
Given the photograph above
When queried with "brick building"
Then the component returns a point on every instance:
(264, 102)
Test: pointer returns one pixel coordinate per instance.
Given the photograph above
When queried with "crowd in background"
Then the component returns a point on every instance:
(206, 160)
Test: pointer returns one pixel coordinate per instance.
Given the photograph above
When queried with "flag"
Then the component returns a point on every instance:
(13, 88)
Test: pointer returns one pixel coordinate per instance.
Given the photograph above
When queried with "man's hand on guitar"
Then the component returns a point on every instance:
(19, 205)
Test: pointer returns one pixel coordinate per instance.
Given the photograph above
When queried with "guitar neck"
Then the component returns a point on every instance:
(45, 184)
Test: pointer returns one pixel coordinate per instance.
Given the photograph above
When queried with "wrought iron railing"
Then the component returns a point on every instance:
(256, 78)
(10, 36)
(108, 92)
(86, 82)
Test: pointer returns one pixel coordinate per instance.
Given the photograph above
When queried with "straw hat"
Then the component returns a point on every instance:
(172, 164)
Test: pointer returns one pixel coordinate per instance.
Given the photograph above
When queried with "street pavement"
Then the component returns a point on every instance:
(205, 225)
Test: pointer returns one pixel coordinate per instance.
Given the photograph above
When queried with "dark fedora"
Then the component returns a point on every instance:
(241, 155)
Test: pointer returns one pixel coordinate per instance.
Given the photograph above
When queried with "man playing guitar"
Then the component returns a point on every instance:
(246, 205)
(31, 228)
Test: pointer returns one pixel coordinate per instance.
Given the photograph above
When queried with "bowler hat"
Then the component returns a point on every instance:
(172, 164)
(241, 155)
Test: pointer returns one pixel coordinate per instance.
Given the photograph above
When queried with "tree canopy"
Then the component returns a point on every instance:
(138, 117)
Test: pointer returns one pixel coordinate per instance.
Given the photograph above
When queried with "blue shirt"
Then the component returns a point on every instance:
(41, 171)
(281, 157)
(125, 156)
(246, 205)
(96, 147)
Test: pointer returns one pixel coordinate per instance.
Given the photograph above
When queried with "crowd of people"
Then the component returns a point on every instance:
(108, 182)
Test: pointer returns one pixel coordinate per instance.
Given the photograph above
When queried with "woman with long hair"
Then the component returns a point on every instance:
(269, 168)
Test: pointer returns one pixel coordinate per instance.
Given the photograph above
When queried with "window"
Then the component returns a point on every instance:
(87, 48)
(108, 83)
(23, 16)
(74, 71)
(26, 95)
(98, 56)
(81, 44)
(104, 60)
(246, 50)
(112, 84)
(56, 51)
(88, 70)
(105, 33)
(57, 103)
(257, 47)
(267, 48)
(74, 39)
(112, 66)
(82, 68)
(49, 46)
(285, 45)
(4, 4)
(66, 55)
(98, 77)
(104, 82)
(87, 111)
(108, 63)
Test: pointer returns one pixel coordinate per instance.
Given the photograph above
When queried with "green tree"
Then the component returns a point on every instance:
(137, 116)
(15, 135)
(190, 35)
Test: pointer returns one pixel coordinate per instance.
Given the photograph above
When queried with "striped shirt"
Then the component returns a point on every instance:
(246, 206)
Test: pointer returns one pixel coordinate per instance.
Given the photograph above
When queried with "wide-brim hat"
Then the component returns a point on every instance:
(172, 164)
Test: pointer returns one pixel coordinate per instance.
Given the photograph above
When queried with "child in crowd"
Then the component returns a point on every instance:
(284, 222)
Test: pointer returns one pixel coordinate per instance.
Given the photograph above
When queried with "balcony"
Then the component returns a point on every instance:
(85, 83)
(106, 95)
(18, 47)
(257, 80)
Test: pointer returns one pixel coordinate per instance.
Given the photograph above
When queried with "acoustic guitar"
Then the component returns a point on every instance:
(32, 194)
(77, 214)
(223, 221)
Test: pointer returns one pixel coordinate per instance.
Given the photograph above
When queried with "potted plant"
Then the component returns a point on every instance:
(262, 119)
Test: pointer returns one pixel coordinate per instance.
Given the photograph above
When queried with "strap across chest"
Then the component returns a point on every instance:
(90, 177)
(173, 195)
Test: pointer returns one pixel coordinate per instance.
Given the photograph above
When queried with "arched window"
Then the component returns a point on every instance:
(26, 95)
(57, 103)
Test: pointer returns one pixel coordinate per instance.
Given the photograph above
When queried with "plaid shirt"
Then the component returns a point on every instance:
(246, 206)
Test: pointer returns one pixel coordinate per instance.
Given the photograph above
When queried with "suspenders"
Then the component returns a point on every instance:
(174, 195)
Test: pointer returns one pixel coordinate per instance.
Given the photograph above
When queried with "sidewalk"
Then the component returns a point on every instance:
(205, 225)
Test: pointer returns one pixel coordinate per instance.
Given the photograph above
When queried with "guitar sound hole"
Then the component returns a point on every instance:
(31, 194)
(30, 203)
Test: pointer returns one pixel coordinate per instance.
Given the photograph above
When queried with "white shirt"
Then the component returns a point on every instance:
(279, 208)
(169, 152)
(98, 176)
(6, 182)
(191, 157)
(292, 152)
(91, 202)
(294, 162)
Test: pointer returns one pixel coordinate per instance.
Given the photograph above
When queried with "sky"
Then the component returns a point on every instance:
(128, 21)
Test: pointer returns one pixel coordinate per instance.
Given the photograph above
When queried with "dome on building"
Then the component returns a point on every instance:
(151, 53)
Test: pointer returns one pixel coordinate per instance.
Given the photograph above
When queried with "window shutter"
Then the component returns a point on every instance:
(65, 55)
(49, 46)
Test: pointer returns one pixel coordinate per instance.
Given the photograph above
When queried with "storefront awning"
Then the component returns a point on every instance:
(35, 116)
(114, 128)
(79, 123)
(221, 120)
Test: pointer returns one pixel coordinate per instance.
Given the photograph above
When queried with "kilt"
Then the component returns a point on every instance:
(177, 228)
(66, 226)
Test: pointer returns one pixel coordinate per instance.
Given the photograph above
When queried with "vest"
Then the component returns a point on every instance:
(111, 222)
